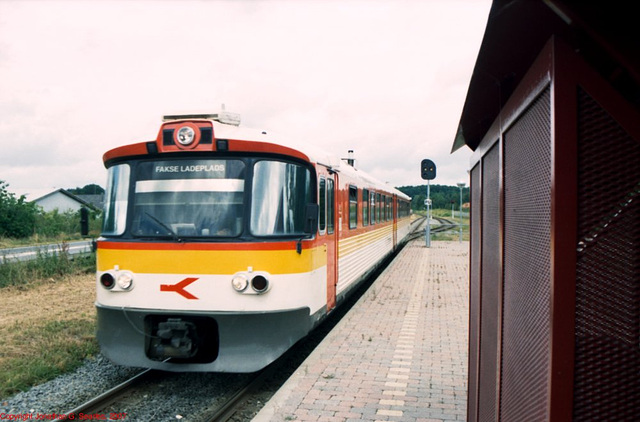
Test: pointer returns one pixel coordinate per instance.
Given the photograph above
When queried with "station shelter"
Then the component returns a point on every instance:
(552, 114)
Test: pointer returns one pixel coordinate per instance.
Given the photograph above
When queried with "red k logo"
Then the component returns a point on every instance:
(179, 288)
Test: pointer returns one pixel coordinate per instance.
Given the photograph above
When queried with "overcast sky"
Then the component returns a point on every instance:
(386, 78)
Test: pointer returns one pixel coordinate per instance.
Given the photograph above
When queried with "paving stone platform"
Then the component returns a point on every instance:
(399, 355)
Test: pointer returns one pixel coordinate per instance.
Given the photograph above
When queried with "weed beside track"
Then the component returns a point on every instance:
(47, 327)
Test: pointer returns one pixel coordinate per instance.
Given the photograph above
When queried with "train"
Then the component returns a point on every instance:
(223, 246)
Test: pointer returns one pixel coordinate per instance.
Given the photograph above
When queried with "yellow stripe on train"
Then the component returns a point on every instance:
(354, 243)
(211, 262)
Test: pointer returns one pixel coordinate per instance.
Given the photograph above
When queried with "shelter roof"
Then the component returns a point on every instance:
(603, 32)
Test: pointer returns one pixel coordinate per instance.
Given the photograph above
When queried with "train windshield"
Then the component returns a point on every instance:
(188, 198)
(208, 198)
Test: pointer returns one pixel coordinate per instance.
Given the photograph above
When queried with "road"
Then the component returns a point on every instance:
(27, 253)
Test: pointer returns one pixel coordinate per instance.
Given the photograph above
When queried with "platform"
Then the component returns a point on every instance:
(400, 354)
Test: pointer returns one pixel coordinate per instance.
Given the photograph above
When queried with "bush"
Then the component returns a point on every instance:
(53, 223)
(17, 216)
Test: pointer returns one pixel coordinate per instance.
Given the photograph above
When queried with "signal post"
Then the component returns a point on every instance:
(428, 173)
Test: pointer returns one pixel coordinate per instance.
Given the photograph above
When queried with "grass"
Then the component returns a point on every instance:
(47, 318)
(46, 265)
(43, 351)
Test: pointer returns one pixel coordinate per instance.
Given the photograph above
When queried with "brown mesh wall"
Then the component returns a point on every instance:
(607, 354)
(527, 250)
(474, 292)
(490, 283)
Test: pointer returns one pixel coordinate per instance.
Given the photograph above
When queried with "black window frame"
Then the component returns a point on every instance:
(353, 207)
(365, 207)
(331, 201)
(322, 205)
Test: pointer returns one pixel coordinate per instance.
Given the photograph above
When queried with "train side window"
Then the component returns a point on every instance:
(384, 208)
(280, 194)
(365, 207)
(373, 208)
(378, 208)
(404, 208)
(322, 204)
(389, 209)
(353, 207)
(330, 206)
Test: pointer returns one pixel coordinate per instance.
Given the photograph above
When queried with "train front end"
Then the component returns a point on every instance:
(207, 260)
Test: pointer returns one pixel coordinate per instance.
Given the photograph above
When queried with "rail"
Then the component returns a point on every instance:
(444, 225)
(104, 399)
(221, 413)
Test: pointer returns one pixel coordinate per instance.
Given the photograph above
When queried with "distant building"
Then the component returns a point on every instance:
(96, 201)
(65, 201)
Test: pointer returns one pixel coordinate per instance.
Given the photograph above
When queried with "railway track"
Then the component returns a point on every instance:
(444, 225)
(229, 408)
(103, 400)
(116, 403)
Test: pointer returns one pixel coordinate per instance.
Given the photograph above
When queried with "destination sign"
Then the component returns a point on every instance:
(195, 168)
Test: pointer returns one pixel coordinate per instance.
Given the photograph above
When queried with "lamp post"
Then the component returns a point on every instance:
(461, 185)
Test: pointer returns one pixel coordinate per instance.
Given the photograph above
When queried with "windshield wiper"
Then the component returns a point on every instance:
(164, 226)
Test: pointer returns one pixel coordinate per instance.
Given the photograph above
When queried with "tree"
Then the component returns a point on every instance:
(17, 215)
(91, 189)
(441, 196)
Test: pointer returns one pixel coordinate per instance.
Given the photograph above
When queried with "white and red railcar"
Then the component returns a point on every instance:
(222, 246)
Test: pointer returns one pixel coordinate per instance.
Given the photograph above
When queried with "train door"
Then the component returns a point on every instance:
(394, 213)
(329, 230)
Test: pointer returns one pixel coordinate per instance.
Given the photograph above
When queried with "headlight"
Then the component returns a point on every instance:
(125, 280)
(107, 281)
(185, 135)
(239, 282)
(260, 284)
